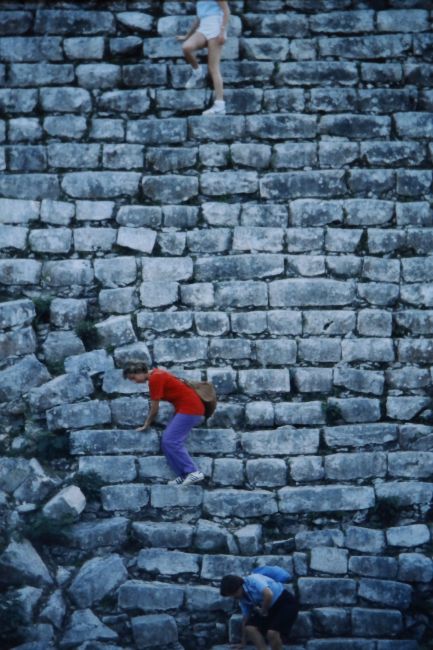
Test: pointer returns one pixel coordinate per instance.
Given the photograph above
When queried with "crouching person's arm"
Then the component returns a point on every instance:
(266, 602)
(154, 408)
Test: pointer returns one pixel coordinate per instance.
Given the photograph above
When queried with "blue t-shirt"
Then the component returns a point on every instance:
(253, 587)
(207, 8)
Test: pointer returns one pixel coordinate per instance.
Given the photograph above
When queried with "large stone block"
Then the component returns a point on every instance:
(21, 564)
(405, 493)
(168, 496)
(96, 579)
(131, 497)
(376, 622)
(116, 272)
(386, 593)
(327, 591)
(19, 271)
(78, 416)
(18, 342)
(412, 535)
(163, 535)
(301, 184)
(357, 435)
(170, 188)
(67, 272)
(65, 388)
(110, 469)
(374, 566)
(150, 596)
(256, 382)
(325, 499)
(229, 503)
(328, 559)
(84, 626)
(168, 563)
(283, 441)
(100, 185)
(415, 567)
(88, 535)
(313, 73)
(310, 293)
(64, 21)
(229, 182)
(20, 377)
(347, 467)
(155, 628)
(214, 567)
(68, 503)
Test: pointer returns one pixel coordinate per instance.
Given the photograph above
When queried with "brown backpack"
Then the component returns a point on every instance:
(207, 393)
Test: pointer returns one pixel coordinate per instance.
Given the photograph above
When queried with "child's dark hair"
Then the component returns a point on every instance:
(230, 585)
(135, 369)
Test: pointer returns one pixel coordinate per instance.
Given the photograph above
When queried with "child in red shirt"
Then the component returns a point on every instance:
(189, 411)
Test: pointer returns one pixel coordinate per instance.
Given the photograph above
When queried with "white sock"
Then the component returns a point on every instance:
(197, 70)
(219, 102)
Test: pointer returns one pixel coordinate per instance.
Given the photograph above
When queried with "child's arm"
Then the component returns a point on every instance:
(266, 602)
(154, 407)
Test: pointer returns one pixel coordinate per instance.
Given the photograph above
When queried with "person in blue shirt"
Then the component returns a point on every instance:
(269, 611)
(208, 30)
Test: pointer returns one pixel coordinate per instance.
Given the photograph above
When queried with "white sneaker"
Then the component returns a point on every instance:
(176, 481)
(195, 77)
(218, 108)
(194, 477)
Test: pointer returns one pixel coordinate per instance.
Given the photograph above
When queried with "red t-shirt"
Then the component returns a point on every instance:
(165, 386)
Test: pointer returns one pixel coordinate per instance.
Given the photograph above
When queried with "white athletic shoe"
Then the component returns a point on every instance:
(218, 108)
(195, 77)
(194, 477)
(176, 481)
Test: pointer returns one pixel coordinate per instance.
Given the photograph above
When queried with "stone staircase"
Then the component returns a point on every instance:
(284, 252)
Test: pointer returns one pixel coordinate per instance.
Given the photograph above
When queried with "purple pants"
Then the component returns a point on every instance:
(173, 446)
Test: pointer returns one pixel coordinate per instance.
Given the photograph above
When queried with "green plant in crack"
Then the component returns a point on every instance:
(88, 333)
(42, 307)
(90, 484)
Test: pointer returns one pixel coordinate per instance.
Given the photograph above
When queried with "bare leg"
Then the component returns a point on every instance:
(195, 42)
(214, 58)
(254, 635)
(274, 639)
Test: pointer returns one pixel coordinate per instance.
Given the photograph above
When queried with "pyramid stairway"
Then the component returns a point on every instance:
(282, 251)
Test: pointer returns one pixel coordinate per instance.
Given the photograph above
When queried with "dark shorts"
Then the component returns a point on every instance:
(280, 618)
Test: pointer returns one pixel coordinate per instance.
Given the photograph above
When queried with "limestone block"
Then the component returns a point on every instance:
(249, 539)
(250, 322)
(88, 535)
(315, 212)
(68, 503)
(168, 563)
(325, 498)
(67, 313)
(19, 272)
(411, 535)
(374, 322)
(129, 411)
(66, 273)
(405, 493)
(375, 622)
(310, 293)
(313, 380)
(325, 537)
(304, 413)
(110, 469)
(85, 626)
(158, 269)
(278, 126)
(90, 363)
(159, 628)
(78, 416)
(17, 342)
(256, 382)
(211, 537)
(116, 272)
(304, 470)
(205, 599)
(150, 596)
(283, 441)
(373, 349)
(228, 472)
(84, 47)
(406, 408)
(415, 567)
(386, 593)
(374, 566)
(21, 377)
(332, 620)
(214, 567)
(36, 486)
(328, 322)
(116, 330)
(365, 539)
(342, 241)
(94, 210)
(328, 559)
(265, 472)
(327, 591)
(100, 185)
(360, 435)
(129, 497)
(21, 564)
(301, 184)
(96, 579)
(94, 239)
(55, 609)
(139, 215)
(65, 388)
(168, 496)
(165, 321)
(42, 74)
(115, 441)
(228, 182)
(347, 467)
(61, 344)
(164, 535)
(118, 301)
(343, 21)
(228, 503)
(18, 211)
(257, 156)
(240, 294)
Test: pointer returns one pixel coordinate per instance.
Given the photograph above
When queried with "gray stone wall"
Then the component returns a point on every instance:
(283, 251)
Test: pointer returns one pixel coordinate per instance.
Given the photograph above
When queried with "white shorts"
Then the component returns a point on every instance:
(210, 26)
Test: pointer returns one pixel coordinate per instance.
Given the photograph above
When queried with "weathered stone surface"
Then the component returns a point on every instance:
(100, 185)
(327, 591)
(164, 535)
(19, 378)
(21, 564)
(386, 592)
(415, 567)
(228, 503)
(374, 566)
(150, 596)
(110, 469)
(77, 416)
(65, 388)
(169, 563)
(159, 628)
(69, 503)
(283, 441)
(323, 499)
(412, 535)
(96, 579)
(85, 626)
(88, 535)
